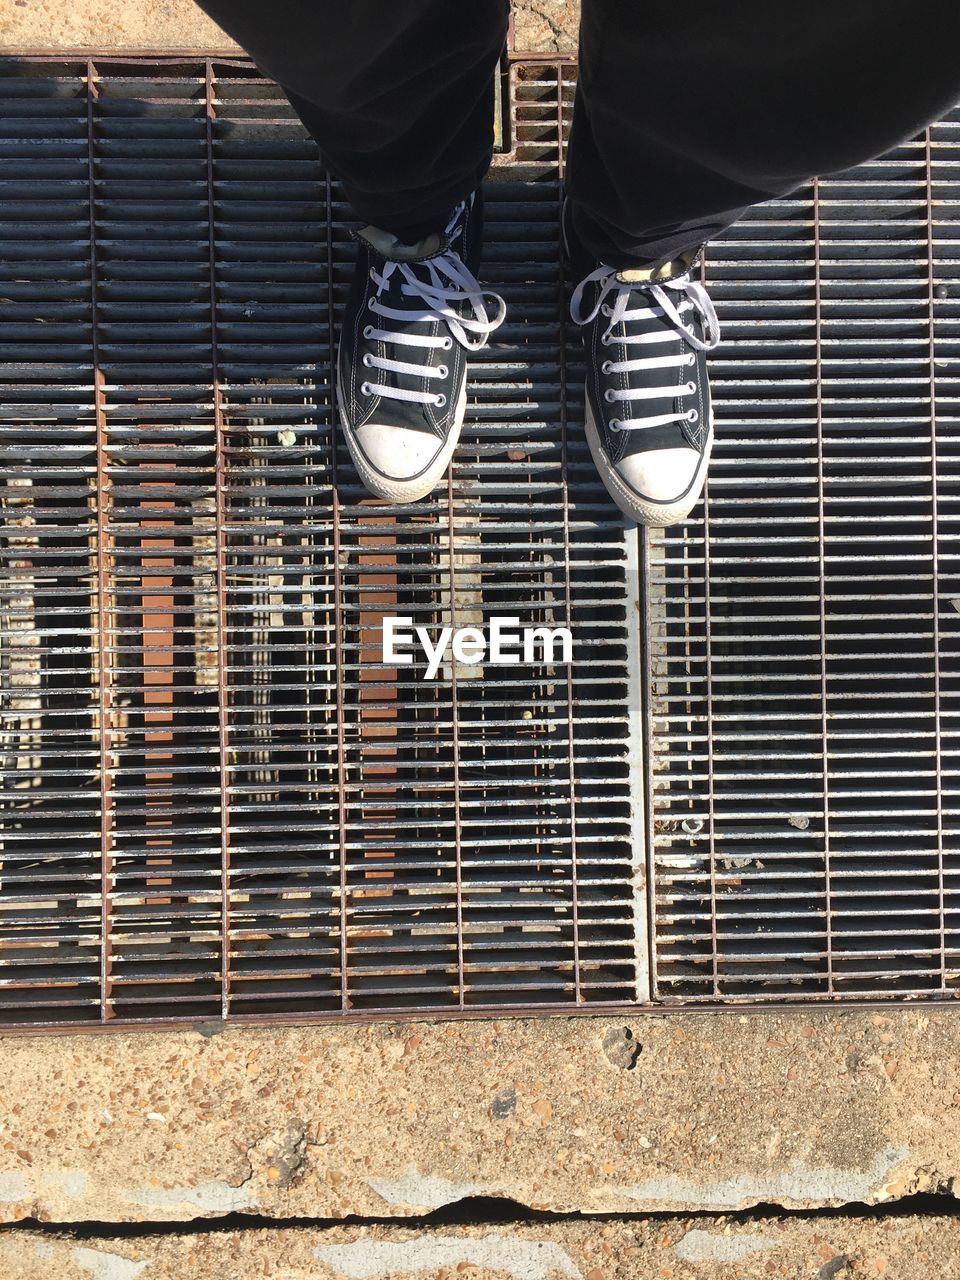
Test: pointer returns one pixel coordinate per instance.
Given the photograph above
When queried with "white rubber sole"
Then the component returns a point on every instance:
(657, 515)
(396, 489)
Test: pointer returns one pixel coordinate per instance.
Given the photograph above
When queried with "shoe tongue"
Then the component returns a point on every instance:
(387, 244)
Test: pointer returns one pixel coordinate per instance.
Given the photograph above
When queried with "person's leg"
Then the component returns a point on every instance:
(688, 114)
(399, 94)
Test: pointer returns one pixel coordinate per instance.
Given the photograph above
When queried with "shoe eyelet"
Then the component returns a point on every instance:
(370, 306)
(365, 388)
(692, 416)
(606, 310)
(606, 367)
(605, 341)
(442, 370)
(614, 425)
(367, 360)
(609, 396)
(447, 344)
(440, 400)
(690, 388)
(691, 358)
(368, 331)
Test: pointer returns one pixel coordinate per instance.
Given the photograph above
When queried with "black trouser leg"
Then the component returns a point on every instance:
(399, 94)
(689, 113)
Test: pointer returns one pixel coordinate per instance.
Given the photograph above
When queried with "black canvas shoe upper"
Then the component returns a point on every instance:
(413, 313)
(646, 333)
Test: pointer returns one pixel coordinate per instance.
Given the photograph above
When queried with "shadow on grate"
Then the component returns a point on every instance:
(218, 800)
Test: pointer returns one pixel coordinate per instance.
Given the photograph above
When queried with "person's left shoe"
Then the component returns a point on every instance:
(648, 418)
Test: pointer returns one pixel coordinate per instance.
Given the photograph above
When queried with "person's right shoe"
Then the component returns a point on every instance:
(413, 314)
(648, 418)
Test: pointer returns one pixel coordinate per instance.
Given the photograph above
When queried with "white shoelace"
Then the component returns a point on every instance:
(449, 282)
(693, 297)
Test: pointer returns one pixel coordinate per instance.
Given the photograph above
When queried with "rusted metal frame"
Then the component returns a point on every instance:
(668, 1007)
(157, 635)
(824, 724)
(121, 57)
(337, 607)
(567, 599)
(708, 667)
(377, 693)
(103, 594)
(542, 57)
(223, 694)
(223, 57)
(935, 552)
(511, 141)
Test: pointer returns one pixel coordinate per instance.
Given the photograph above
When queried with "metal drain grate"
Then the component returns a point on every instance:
(218, 802)
(804, 630)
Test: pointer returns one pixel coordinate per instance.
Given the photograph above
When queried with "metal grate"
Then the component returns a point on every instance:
(804, 629)
(218, 802)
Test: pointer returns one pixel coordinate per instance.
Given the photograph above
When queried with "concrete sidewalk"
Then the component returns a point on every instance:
(178, 26)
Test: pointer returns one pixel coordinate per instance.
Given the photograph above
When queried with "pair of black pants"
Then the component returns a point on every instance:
(687, 112)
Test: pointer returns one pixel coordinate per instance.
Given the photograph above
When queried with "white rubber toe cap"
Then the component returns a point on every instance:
(399, 463)
(399, 453)
(660, 475)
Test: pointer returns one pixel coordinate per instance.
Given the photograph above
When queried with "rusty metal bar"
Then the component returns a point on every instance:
(103, 605)
(221, 554)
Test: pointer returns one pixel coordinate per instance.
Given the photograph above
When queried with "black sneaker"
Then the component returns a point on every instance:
(648, 418)
(413, 312)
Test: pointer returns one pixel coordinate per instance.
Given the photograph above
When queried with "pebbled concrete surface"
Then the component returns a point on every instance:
(550, 26)
(133, 26)
(177, 25)
(719, 1112)
(906, 1248)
